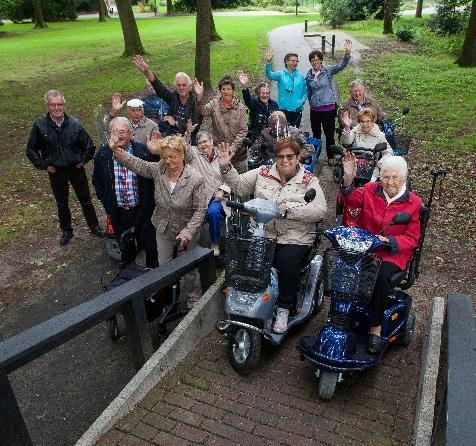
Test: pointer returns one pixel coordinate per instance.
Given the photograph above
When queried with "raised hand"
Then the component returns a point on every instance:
(141, 64)
(153, 142)
(198, 89)
(191, 126)
(349, 163)
(347, 120)
(268, 55)
(116, 103)
(348, 45)
(170, 120)
(243, 78)
(225, 154)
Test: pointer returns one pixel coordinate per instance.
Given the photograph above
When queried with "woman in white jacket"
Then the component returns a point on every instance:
(365, 134)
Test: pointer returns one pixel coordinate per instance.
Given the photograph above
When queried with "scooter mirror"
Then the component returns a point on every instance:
(380, 147)
(337, 150)
(401, 218)
(405, 110)
(310, 195)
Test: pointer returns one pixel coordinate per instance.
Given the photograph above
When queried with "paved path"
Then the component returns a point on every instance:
(203, 401)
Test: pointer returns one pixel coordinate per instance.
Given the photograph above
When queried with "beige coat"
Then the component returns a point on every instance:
(181, 211)
(228, 124)
(301, 218)
(369, 140)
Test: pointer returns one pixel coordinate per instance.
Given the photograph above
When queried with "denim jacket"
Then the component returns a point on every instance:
(291, 88)
(320, 91)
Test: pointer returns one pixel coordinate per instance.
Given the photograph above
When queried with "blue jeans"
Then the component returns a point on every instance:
(214, 216)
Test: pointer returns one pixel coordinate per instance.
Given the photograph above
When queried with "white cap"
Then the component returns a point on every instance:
(135, 103)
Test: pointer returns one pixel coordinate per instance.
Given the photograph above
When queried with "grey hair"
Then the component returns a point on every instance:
(120, 120)
(356, 82)
(181, 74)
(54, 93)
(397, 163)
(204, 133)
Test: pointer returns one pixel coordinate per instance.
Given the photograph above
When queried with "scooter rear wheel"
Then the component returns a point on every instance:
(409, 330)
(244, 350)
(113, 328)
(327, 385)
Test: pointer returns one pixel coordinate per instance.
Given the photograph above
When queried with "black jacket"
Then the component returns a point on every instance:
(259, 112)
(50, 145)
(103, 180)
(173, 99)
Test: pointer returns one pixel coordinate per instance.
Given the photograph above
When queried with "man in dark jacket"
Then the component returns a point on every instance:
(59, 144)
(182, 104)
(127, 197)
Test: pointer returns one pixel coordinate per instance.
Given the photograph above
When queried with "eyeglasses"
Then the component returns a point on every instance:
(121, 132)
(56, 105)
(293, 60)
(387, 178)
(169, 157)
(286, 157)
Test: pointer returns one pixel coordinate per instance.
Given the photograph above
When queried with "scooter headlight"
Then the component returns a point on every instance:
(242, 302)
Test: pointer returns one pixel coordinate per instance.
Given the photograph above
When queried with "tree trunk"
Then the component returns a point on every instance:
(419, 7)
(38, 15)
(132, 42)
(202, 45)
(467, 57)
(214, 36)
(387, 16)
(170, 7)
(102, 11)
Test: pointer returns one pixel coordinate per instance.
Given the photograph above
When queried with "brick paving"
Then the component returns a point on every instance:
(203, 401)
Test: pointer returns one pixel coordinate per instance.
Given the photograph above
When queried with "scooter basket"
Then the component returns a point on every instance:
(248, 262)
(350, 277)
(402, 144)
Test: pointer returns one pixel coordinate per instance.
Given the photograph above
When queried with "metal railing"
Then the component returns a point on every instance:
(127, 299)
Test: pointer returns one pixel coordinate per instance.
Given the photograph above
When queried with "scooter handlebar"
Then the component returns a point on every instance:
(438, 172)
(236, 205)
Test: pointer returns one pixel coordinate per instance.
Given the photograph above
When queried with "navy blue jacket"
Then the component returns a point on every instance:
(103, 180)
(259, 112)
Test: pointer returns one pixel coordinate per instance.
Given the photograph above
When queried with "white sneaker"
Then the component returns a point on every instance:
(216, 250)
(281, 323)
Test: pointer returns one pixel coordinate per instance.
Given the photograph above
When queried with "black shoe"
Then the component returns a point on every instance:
(376, 344)
(98, 232)
(65, 238)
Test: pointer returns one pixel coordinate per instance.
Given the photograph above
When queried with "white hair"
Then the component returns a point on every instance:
(54, 93)
(120, 120)
(356, 82)
(204, 134)
(397, 163)
(182, 75)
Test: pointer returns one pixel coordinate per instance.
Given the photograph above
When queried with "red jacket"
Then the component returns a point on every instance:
(376, 214)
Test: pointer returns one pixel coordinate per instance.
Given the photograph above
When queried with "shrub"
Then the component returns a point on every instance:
(369, 9)
(406, 33)
(53, 10)
(451, 17)
(334, 12)
(191, 5)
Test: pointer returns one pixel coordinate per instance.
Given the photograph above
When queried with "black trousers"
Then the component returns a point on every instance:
(289, 260)
(60, 185)
(326, 119)
(293, 118)
(143, 236)
(379, 301)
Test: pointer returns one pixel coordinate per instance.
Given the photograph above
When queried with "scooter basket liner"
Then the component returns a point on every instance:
(248, 262)
(350, 277)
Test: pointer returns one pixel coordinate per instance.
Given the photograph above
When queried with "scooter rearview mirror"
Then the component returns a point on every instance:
(310, 195)
(401, 218)
(337, 150)
(380, 147)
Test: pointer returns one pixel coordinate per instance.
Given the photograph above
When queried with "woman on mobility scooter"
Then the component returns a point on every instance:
(378, 203)
(285, 182)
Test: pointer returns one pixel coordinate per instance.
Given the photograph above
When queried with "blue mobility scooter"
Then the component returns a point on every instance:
(350, 272)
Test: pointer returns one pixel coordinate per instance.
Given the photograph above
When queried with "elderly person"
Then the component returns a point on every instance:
(322, 97)
(181, 102)
(142, 127)
(377, 204)
(359, 99)
(204, 159)
(278, 129)
(260, 105)
(228, 117)
(127, 197)
(179, 192)
(286, 183)
(366, 134)
(60, 146)
(291, 87)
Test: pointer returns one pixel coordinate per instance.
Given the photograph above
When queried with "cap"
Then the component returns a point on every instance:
(135, 103)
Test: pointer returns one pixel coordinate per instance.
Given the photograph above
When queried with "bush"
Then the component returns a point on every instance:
(53, 10)
(451, 17)
(334, 12)
(406, 33)
(191, 5)
(369, 9)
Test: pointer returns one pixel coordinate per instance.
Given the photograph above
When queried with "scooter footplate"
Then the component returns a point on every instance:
(360, 360)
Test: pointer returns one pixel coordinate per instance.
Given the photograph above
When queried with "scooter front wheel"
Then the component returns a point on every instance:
(112, 249)
(244, 350)
(327, 385)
